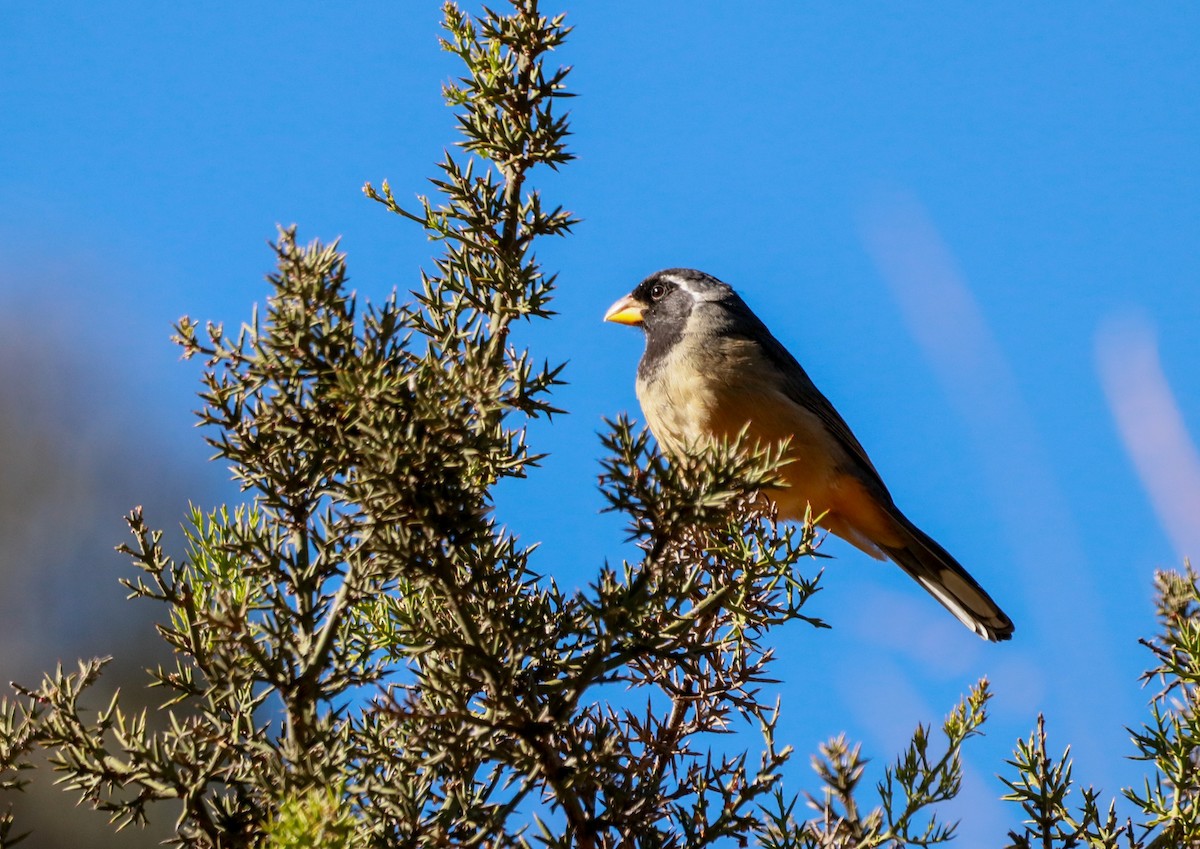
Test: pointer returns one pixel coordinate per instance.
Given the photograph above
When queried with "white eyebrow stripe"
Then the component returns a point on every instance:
(686, 286)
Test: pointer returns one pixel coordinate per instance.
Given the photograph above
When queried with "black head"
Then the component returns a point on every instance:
(665, 302)
(667, 298)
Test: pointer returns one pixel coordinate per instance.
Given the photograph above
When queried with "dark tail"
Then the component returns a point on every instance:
(942, 576)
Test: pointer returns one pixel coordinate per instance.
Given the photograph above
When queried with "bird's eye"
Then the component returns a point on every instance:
(657, 291)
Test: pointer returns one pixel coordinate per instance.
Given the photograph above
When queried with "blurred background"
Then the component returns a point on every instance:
(974, 224)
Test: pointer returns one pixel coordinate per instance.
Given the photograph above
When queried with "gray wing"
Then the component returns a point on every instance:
(799, 387)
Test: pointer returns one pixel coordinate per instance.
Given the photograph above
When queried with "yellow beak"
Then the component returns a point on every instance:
(626, 311)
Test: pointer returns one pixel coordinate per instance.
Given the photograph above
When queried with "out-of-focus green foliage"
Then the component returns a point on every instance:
(317, 819)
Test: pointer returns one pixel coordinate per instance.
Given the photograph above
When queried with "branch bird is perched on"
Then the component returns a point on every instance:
(711, 368)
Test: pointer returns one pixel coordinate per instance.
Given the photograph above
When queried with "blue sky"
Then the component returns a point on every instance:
(975, 224)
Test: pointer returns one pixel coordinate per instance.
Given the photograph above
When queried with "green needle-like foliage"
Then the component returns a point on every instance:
(363, 656)
(919, 780)
(1168, 802)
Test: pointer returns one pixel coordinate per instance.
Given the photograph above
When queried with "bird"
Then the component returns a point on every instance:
(712, 369)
